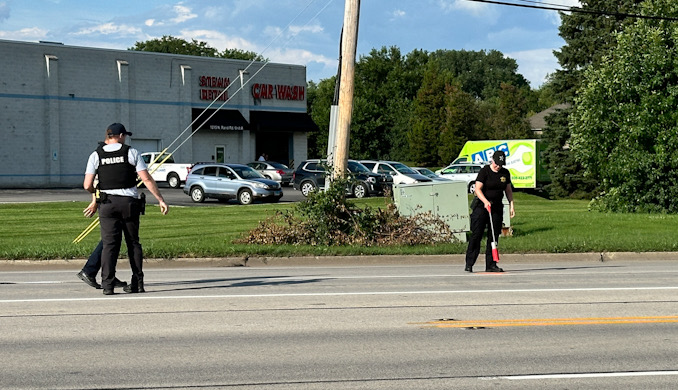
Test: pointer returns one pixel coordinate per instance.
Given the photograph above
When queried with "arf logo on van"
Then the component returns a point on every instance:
(486, 155)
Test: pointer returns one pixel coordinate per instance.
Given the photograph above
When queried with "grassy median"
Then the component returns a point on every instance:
(46, 231)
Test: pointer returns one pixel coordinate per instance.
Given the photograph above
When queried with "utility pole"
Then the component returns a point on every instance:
(349, 39)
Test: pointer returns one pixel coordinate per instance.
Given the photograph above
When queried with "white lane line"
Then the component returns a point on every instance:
(584, 375)
(336, 294)
(237, 271)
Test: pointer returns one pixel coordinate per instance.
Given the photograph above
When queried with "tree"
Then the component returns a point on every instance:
(172, 45)
(462, 122)
(509, 119)
(428, 119)
(238, 54)
(319, 101)
(480, 73)
(389, 102)
(386, 83)
(567, 178)
(625, 124)
(588, 37)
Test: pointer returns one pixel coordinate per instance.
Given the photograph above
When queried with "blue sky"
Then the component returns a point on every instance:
(302, 32)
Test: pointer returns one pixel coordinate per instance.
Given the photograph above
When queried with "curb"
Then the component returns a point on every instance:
(253, 261)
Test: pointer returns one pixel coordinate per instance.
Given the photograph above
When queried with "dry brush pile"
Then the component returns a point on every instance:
(328, 218)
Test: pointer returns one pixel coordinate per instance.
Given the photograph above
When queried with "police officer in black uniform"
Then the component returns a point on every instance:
(492, 182)
(117, 166)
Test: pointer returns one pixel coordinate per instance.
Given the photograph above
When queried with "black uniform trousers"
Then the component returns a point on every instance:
(118, 215)
(480, 222)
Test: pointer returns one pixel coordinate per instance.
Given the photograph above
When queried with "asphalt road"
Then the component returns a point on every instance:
(173, 196)
(578, 324)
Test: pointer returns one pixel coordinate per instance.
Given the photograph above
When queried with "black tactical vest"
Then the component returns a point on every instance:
(115, 171)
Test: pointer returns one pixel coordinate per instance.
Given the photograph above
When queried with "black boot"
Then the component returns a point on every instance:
(135, 286)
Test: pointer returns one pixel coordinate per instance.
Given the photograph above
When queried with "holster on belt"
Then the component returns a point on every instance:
(142, 204)
(475, 203)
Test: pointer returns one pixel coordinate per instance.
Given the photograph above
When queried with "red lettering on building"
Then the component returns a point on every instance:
(262, 91)
(290, 92)
(210, 84)
(213, 94)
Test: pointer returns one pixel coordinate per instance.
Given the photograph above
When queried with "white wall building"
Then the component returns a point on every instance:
(56, 102)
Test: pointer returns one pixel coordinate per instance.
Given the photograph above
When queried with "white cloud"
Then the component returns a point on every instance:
(567, 3)
(221, 41)
(554, 16)
(170, 16)
(487, 12)
(535, 64)
(183, 14)
(296, 30)
(398, 14)
(299, 57)
(25, 34)
(218, 40)
(473, 7)
(109, 29)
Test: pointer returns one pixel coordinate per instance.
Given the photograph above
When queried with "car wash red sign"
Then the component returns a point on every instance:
(213, 88)
(278, 91)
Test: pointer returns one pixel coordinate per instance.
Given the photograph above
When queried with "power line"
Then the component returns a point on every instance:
(555, 7)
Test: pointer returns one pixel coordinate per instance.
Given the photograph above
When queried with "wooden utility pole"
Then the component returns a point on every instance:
(349, 41)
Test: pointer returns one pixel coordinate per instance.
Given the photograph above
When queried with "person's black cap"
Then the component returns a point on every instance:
(117, 129)
(499, 158)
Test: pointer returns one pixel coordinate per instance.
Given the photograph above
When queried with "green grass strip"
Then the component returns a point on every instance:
(46, 230)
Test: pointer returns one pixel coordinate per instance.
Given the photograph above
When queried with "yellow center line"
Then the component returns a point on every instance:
(548, 322)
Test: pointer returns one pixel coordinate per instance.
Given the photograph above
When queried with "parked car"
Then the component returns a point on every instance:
(430, 174)
(230, 181)
(463, 172)
(401, 173)
(273, 170)
(310, 176)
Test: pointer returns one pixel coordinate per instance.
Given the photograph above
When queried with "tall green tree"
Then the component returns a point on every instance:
(462, 121)
(509, 119)
(568, 179)
(587, 37)
(480, 73)
(625, 123)
(428, 119)
(386, 82)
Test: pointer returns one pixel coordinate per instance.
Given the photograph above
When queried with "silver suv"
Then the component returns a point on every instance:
(230, 181)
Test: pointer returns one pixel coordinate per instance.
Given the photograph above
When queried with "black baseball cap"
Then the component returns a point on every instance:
(499, 158)
(117, 129)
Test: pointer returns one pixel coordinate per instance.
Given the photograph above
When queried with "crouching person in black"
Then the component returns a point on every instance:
(117, 166)
(492, 182)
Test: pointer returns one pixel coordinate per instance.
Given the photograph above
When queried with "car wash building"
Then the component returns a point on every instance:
(56, 102)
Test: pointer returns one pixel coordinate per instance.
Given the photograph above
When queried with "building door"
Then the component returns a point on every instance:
(219, 153)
